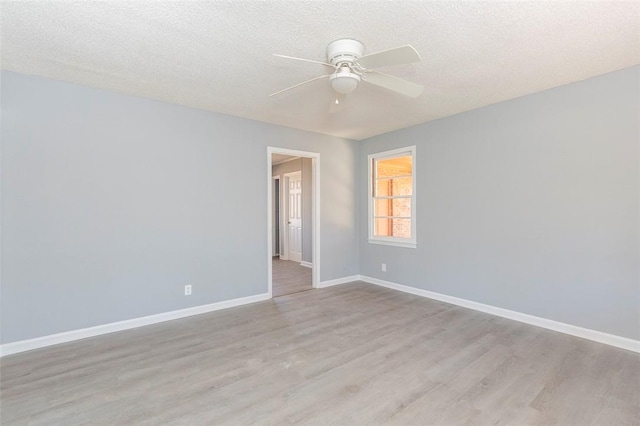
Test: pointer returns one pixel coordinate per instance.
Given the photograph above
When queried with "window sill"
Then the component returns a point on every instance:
(393, 243)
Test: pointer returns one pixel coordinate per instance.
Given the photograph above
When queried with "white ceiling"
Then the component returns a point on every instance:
(217, 55)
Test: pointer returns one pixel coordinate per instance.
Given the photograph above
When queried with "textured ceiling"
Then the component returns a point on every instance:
(217, 55)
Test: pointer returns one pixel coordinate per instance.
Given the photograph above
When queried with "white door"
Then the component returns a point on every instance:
(294, 216)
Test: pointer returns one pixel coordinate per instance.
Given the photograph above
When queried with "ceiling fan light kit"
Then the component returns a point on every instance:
(344, 81)
(345, 57)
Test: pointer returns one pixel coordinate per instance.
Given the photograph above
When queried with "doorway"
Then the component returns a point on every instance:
(293, 218)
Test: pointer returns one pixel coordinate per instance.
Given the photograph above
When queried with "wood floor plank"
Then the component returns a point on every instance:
(354, 354)
(289, 277)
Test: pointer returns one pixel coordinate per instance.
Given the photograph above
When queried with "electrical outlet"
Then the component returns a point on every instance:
(384, 267)
(187, 290)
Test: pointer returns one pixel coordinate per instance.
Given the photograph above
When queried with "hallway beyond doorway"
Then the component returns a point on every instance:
(290, 277)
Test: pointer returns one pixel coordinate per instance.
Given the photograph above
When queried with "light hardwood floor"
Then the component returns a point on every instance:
(289, 277)
(354, 354)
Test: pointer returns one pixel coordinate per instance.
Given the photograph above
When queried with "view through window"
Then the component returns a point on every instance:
(392, 196)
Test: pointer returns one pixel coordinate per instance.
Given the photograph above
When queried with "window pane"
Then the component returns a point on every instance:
(397, 186)
(393, 228)
(394, 166)
(393, 207)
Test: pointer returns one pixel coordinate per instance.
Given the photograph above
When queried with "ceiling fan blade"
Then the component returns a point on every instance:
(394, 84)
(398, 56)
(304, 60)
(337, 103)
(299, 84)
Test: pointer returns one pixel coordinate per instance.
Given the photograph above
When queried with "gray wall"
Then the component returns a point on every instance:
(112, 203)
(304, 165)
(530, 205)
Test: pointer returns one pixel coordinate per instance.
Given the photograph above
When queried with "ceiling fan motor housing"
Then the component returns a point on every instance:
(345, 50)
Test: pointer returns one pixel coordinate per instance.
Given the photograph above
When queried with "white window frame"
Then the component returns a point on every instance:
(392, 241)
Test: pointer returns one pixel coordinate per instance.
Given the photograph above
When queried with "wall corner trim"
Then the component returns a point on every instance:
(306, 264)
(338, 281)
(83, 333)
(573, 330)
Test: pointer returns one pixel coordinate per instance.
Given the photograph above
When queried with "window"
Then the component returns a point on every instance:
(392, 197)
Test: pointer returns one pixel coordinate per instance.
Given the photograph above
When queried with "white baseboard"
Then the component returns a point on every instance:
(306, 264)
(83, 333)
(338, 281)
(69, 336)
(585, 333)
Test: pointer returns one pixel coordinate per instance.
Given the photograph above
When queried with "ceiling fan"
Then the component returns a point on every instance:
(350, 68)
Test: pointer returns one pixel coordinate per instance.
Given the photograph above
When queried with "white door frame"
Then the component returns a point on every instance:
(315, 213)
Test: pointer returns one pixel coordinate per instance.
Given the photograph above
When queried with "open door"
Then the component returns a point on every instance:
(294, 216)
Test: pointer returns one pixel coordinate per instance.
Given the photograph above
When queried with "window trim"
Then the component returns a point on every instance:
(392, 241)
